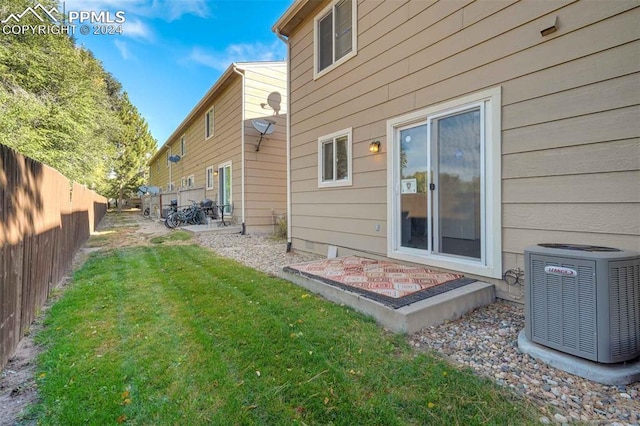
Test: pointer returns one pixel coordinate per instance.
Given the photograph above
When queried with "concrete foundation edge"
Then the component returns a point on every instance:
(608, 374)
(408, 319)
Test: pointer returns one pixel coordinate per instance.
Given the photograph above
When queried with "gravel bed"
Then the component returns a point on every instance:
(260, 252)
(484, 340)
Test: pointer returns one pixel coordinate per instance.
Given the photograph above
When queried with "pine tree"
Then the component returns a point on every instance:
(134, 147)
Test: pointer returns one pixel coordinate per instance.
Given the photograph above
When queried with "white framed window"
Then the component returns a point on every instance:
(183, 182)
(334, 159)
(191, 181)
(209, 177)
(208, 124)
(183, 145)
(444, 191)
(335, 35)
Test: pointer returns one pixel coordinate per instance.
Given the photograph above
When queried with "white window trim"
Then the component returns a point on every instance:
(183, 145)
(346, 182)
(191, 181)
(183, 182)
(491, 265)
(354, 39)
(209, 123)
(206, 177)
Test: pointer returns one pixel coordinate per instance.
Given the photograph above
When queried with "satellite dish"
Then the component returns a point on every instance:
(174, 158)
(264, 127)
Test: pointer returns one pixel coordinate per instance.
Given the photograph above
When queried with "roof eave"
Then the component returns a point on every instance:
(293, 16)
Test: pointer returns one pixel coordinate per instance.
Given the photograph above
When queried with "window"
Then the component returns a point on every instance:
(334, 159)
(191, 181)
(183, 182)
(335, 35)
(170, 186)
(208, 124)
(183, 146)
(444, 201)
(209, 175)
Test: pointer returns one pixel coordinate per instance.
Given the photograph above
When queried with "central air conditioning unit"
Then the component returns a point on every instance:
(583, 300)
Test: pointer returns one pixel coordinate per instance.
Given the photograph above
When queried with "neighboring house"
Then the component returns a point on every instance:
(501, 124)
(217, 145)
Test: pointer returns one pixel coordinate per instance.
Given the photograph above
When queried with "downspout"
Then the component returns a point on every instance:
(243, 232)
(286, 41)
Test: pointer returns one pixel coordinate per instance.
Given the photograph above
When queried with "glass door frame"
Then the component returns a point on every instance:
(490, 263)
(222, 183)
(435, 215)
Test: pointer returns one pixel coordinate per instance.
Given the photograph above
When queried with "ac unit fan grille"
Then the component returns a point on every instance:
(625, 308)
(563, 308)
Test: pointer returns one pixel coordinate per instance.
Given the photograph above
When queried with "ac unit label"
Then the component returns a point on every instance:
(560, 271)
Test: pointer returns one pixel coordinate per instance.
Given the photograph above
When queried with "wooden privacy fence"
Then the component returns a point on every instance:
(44, 219)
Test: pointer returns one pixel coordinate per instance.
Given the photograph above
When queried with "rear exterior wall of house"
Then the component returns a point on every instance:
(203, 165)
(221, 148)
(265, 169)
(568, 142)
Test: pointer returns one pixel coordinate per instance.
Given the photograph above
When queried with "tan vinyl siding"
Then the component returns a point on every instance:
(266, 169)
(264, 172)
(570, 113)
(159, 176)
(201, 153)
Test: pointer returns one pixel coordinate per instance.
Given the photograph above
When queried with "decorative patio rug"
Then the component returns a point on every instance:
(385, 282)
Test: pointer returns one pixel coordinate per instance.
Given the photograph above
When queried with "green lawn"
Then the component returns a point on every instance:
(177, 335)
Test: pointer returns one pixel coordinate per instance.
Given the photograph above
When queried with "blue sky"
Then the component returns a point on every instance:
(172, 51)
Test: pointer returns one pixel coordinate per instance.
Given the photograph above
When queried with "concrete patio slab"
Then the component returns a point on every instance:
(434, 310)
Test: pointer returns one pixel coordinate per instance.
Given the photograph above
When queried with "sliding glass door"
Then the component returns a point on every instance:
(224, 186)
(440, 200)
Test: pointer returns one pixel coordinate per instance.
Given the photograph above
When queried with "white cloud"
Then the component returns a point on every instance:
(238, 53)
(175, 9)
(123, 49)
(135, 28)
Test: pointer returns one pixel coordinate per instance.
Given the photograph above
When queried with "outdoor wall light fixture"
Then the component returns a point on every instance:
(215, 173)
(374, 146)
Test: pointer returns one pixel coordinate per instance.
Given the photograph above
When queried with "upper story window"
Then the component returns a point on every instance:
(335, 35)
(183, 145)
(208, 124)
(334, 159)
